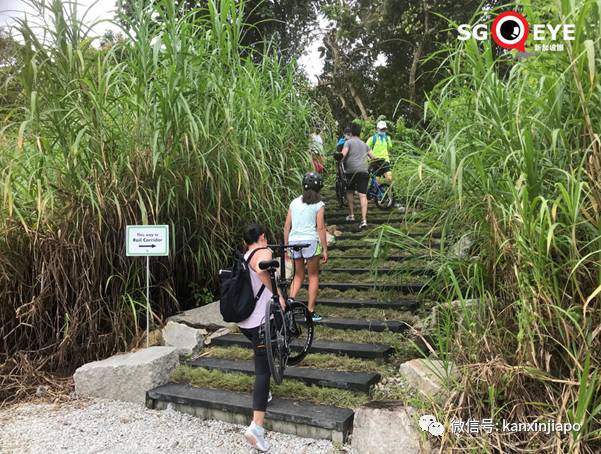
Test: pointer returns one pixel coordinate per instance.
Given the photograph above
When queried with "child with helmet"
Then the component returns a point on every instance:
(305, 223)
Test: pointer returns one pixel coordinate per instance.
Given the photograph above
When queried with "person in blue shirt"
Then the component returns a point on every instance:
(305, 224)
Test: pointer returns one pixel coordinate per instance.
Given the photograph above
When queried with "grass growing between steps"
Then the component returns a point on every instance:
(290, 389)
(379, 295)
(316, 360)
(367, 313)
(341, 262)
(402, 344)
(367, 277)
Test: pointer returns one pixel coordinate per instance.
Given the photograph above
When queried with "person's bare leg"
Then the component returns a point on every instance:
(349, 199)
(299, 277)
(259, 417)
(363, 200)
(313, 270)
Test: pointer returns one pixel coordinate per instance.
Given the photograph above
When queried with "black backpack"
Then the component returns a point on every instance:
(237, 299)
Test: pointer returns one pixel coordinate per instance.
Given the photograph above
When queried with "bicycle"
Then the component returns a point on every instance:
(281, 327)
(380, 192)
(341, 183)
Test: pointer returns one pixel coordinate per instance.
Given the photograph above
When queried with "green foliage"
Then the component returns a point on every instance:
(513, 162)
(167, 125)
(383, 54)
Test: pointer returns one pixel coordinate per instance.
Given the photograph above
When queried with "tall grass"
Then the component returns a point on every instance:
(174, 124)
(512, 160)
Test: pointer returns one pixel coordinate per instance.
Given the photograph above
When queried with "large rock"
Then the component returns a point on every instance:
(208, 317)
(128, 376)
(462, 247)
(457, 307)
(187, 340)
(427, 375)
(387, 427)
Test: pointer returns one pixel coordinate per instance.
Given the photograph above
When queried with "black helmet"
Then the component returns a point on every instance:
(312, 180)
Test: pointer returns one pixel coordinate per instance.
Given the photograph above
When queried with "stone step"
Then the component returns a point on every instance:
(368, 351)
(356, 236)
(355, 381)
(283, 415)
(392, 258)
(381, 271)
(401, 305)
(373, 221)
(361, 324)
(364, 246)
(410, 287)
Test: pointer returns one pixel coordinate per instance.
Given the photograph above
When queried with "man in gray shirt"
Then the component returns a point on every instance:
(355, 153)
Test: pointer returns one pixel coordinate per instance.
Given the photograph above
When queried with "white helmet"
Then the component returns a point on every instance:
(382, 125)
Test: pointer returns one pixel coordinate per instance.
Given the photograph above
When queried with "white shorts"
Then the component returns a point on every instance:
(312, 250)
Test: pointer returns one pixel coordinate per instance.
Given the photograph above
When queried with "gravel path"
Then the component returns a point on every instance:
(104, 426)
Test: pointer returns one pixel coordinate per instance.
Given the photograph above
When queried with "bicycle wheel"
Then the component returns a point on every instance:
(275, 340)
(384, 198)
(301, 329)
(340, 190)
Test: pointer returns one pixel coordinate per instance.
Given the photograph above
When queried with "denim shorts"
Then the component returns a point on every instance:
(312, 250)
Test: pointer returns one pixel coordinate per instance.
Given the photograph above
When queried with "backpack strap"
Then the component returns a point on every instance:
(262, 289)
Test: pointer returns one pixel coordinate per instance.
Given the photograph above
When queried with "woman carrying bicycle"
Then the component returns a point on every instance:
(254, 237)
(305, 223)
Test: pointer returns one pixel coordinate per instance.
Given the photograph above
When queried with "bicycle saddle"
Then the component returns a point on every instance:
(267, 264)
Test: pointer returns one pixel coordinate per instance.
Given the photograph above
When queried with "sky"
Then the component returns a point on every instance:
(104, 9)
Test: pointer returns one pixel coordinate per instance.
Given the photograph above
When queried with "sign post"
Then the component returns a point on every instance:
(147, 241)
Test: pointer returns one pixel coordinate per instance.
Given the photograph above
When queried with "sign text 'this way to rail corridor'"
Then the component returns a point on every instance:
(147, 240)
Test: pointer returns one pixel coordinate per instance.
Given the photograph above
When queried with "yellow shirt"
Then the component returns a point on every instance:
(380, 146)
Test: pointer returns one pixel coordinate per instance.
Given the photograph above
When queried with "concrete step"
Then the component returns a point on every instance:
(401, 305)
(354, 381)
(409, 287)
(368, 351)
(361, 324)
(392, 258)
(283, 415)
(360, 235)
(381, 271)
(395, 219)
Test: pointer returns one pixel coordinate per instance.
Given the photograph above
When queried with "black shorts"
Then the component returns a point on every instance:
(357, 182)
(379, 167)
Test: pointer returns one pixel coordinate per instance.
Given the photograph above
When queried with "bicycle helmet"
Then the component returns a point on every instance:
(312, 180)
(382, 125)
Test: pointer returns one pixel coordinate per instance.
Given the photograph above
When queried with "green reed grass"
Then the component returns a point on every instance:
(175, 124)
(512, 158)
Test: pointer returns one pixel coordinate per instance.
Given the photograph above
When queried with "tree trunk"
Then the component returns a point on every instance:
(358, 101)
(330, 42)
(417, 54)
(418, 50)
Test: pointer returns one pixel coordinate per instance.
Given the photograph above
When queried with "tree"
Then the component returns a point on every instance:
(376, 51)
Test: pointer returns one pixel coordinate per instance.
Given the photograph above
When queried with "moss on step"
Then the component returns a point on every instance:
(316, 360)
(291, 389)
(367, 277)
(366, 313)
(404, 346)
(364, 295)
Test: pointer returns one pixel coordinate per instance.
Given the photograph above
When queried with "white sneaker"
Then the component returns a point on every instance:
(255, 435)
(350, 217)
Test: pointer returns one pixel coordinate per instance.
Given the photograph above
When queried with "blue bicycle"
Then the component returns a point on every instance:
(380, 192)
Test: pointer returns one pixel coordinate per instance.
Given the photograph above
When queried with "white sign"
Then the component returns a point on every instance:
(147, 240)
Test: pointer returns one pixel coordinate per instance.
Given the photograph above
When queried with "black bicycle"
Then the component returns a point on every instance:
(341, 183)
(288, 332)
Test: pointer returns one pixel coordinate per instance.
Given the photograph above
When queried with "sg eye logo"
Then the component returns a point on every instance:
(510, 30)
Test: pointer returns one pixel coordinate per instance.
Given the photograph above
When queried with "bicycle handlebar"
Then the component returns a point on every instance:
(296, 247)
